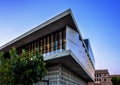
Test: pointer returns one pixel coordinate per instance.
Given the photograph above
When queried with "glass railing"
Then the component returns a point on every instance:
(53, 52)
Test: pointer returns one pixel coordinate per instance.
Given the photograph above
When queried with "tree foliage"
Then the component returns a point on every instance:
(26, 69)
(115, 81)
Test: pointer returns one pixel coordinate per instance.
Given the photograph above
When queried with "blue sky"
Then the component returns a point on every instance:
(98, 20)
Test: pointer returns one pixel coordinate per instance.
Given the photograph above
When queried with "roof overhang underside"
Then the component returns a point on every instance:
(50, 26)
(68, 60)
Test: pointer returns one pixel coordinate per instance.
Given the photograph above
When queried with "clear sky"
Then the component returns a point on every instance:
(98, 20)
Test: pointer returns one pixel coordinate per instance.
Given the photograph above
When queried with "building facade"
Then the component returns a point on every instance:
(102, 77)
(69, 59)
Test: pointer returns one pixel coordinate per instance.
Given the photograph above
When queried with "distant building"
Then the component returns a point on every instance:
(115, 76)
(68, 57)
(102, 77)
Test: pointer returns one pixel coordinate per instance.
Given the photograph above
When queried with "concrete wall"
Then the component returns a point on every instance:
(59, 75)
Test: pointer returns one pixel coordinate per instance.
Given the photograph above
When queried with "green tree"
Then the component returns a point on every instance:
(23, 69)
(115, 80)
(6, 73)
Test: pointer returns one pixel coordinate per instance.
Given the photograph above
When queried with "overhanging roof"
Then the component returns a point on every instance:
(69, 60)
(57, 22)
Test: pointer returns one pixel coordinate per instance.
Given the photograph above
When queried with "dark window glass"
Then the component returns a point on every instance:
(44, 45)
(64, 39)
(48, 44)
(104, 79)
(52, 42)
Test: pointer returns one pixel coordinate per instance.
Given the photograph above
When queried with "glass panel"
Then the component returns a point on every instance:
(60, 40)
(51, 43)
(41, 42)
(64, 39)
(56, 41)
(34, 46)
(44, 46)
(37, 44)
(48, 44)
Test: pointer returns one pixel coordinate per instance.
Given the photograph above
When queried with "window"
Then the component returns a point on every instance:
(99, 79)
(104, 74)
(104, 79)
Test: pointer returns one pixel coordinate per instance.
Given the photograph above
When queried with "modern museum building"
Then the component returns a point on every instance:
(69, 57)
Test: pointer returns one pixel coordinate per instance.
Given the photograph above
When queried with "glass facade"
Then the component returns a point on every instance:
(51, 43)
